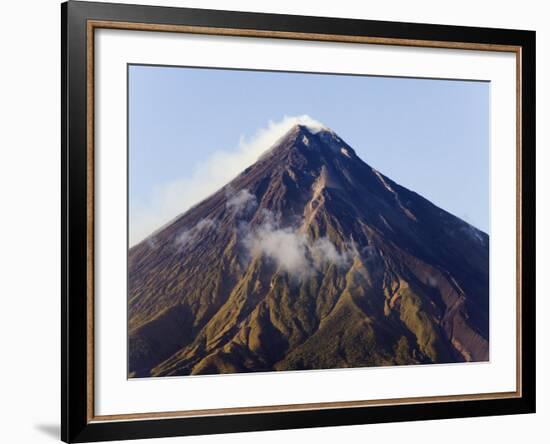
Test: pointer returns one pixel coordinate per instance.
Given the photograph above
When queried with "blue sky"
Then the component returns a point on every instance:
(191, 129)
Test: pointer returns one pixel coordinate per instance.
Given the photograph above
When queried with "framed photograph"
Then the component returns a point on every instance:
(275, 221)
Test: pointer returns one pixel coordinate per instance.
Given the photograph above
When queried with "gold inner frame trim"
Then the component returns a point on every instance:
(96, 24)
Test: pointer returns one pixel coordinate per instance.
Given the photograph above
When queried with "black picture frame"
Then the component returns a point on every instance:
(76, 423)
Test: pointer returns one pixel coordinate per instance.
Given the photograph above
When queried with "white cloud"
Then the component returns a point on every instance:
(285, 246)
(324, 252)
(192, 234)
(170, 199)
(240, 202)
(292, 251)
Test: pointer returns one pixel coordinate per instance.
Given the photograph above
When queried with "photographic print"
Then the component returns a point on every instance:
(283, 221)
(256, 206)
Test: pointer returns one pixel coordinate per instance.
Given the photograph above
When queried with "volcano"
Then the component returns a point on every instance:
(308, 259)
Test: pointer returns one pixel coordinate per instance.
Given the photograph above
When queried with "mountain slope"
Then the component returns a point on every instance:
(308, 259)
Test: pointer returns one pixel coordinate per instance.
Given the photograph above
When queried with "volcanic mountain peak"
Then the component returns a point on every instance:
(322, 134)
(308, 259)
(310, 145)
(313, 125)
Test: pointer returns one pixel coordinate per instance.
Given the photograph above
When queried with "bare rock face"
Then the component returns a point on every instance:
(309, 259)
